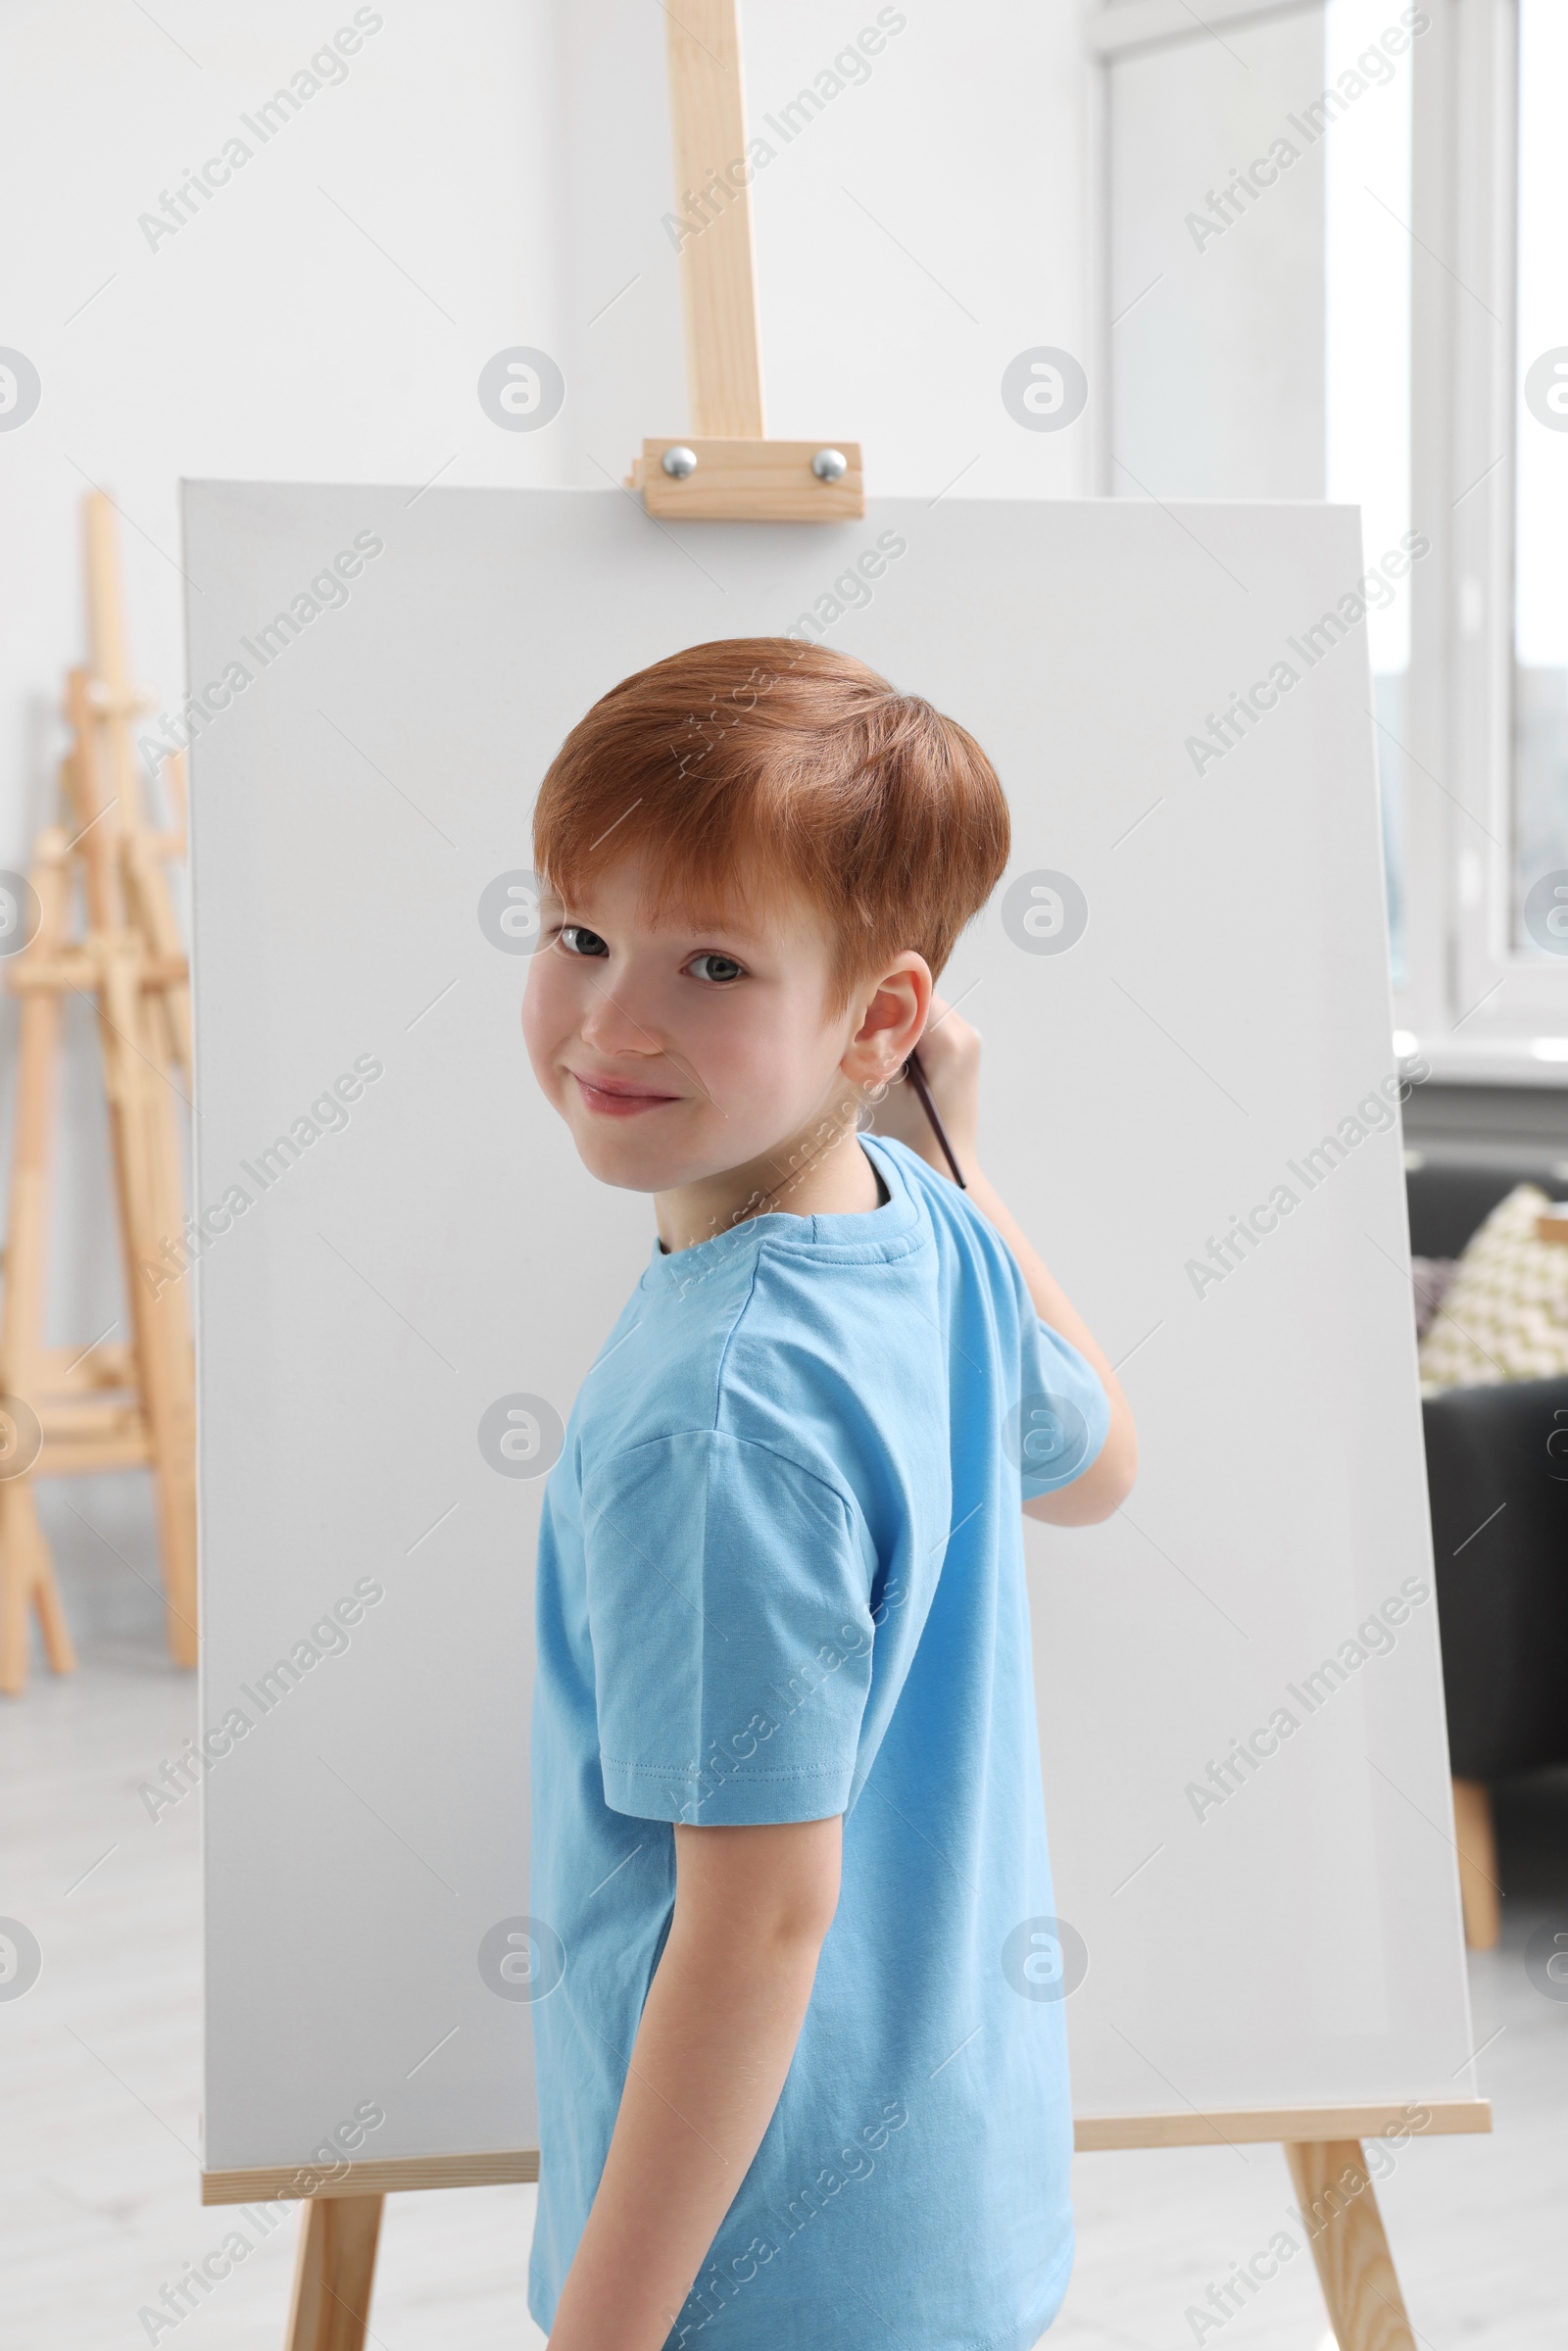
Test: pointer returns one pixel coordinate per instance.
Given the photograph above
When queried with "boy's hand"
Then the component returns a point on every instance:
(950, 1055)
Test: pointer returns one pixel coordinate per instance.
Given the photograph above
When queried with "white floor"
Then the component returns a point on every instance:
(100, 2064)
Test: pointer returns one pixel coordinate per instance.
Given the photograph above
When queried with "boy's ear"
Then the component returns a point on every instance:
(894, 1010)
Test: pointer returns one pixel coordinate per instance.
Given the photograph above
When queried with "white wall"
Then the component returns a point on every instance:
(483, 175)
(1218, 350)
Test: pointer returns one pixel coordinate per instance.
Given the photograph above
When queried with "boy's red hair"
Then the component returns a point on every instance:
(755, 766)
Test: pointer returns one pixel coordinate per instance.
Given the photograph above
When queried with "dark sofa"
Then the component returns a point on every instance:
(1498, 1474)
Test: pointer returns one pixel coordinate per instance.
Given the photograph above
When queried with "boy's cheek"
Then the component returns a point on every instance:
(545, 1028)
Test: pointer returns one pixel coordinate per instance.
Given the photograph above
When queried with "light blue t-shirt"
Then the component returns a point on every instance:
(781, 1575)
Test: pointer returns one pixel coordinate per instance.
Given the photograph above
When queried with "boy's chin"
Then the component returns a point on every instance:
(633, 1162)
(643, 1162)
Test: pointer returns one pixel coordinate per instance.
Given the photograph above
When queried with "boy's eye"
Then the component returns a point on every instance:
(578, 939)
(725, 968)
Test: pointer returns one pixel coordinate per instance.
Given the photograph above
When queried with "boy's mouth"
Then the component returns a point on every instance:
(618, 1098)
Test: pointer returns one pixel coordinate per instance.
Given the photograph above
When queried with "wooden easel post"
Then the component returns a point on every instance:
(718, 262)
(727, 471)
(1475, 1838)
(144, 903)
(334, 2274)
(1354, 2266)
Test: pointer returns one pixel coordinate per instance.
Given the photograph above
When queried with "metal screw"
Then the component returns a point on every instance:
(830, 465)
(679, 461)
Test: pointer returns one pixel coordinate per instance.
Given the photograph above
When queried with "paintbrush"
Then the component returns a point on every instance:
(916, 1075)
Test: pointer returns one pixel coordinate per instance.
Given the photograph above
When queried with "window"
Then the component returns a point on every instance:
(1383, 320)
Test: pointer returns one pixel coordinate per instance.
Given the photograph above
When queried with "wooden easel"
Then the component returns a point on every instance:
(115, 1404)
(1475, 1840)
(734, 474)
(729, 471)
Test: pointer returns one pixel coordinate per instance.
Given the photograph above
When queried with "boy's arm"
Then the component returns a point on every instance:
(950, 1056)
(1108, 1479)
(718, 2030)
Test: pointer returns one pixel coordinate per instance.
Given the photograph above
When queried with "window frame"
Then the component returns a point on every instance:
(1473, 1002)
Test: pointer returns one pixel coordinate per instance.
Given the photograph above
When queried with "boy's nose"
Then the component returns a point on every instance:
(610, 1025)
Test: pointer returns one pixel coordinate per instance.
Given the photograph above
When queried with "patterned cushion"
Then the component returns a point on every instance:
(1505, 1316)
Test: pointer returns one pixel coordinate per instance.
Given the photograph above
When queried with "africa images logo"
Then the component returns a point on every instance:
(1045, 1959)
(19, 389)
(521, 389)
(521, 1436)
(522, 1959)
(1043, 389)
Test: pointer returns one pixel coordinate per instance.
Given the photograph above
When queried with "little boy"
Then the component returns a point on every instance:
(802, 2081)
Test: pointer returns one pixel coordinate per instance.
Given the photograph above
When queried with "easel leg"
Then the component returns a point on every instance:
(16, 1579)
(57, 1645)
(334, 2274)
(1476, 1841)
(146, 1158)
(1354, 2268)
(26, 1573)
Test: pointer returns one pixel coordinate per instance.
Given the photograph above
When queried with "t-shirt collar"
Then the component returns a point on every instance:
(861, 1234)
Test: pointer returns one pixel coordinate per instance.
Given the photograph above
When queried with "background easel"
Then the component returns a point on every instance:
(736, 474)
(116, 1403)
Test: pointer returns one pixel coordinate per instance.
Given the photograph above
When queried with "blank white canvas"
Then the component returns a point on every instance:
(1226, 1006)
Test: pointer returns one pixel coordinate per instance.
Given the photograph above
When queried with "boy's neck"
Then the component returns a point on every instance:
(820, 1171)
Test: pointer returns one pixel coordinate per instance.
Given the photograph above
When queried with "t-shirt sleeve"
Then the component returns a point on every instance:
(1062, 1416)
(729, 1614)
